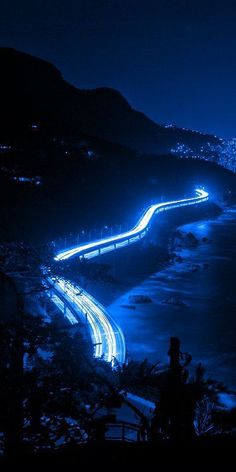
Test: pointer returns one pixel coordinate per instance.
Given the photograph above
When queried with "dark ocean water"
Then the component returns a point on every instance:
(206, 324)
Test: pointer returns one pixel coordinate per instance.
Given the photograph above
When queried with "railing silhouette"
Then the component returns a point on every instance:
(124, 431)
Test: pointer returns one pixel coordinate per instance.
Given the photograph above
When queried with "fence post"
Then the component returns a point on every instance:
(123, 431)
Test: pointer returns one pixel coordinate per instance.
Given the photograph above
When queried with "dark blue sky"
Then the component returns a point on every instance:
(173, 59)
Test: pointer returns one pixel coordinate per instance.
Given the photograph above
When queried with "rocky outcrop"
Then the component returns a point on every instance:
(185, 240)
(139, 299)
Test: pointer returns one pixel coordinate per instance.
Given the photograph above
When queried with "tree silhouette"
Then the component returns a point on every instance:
(175, 412)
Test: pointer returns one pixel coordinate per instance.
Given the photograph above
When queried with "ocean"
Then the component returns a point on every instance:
(204, 283)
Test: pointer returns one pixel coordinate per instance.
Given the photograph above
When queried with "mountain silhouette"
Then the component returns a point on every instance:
(33, 90)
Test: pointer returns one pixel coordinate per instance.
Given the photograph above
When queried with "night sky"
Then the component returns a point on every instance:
(174, 60)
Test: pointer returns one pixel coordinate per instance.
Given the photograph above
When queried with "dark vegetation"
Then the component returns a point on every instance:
(74, 141)
(98, 162)
(81, 194)
(56, 397)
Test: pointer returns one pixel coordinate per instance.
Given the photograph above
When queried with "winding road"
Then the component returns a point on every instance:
(76, 304)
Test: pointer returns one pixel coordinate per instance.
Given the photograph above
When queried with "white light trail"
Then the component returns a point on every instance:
(111, 243)
(107, 337)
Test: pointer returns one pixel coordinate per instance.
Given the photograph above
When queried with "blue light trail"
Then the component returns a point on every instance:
(112, 243)
(107, 337)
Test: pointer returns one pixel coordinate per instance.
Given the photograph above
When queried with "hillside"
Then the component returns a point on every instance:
(66, 157)
(34, 91)
(77, 193)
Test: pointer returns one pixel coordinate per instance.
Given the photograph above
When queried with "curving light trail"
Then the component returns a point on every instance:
(111, 243)
(107, 337)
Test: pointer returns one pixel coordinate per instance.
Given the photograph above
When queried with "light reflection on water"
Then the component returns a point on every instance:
(206, 324)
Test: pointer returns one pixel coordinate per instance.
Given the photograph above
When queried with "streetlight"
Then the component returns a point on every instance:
(104, 228)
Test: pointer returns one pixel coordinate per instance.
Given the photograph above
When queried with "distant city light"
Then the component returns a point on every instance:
(27, 180)
(223, 153)
(34, 126)
(5, 148)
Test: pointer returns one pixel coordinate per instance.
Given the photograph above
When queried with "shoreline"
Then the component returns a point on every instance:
(148, 269)
(131, 317)
(153, 255)
(164, 320)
